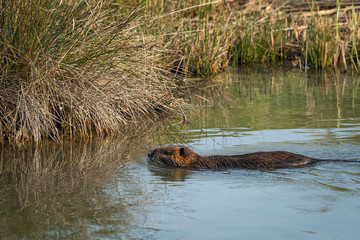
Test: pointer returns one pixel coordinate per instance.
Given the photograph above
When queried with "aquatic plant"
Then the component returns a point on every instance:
(203, 37)
(305, 33)
(206, 48)
(76, 67)
(196, 35)
(261, 40)
(320, 44)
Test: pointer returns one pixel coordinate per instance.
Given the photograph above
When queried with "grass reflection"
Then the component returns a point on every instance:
(59, 191)
(260, 98)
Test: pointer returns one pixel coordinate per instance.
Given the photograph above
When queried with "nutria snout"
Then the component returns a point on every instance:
(181, 156)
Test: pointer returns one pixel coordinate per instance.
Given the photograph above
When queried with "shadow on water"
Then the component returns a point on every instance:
(104, 188)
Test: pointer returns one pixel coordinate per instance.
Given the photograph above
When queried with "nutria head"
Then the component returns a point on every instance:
(176, 156)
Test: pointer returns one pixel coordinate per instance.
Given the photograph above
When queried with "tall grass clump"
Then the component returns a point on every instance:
(76, 67)
(261, 39)
(355, 39)
(195, 34)
(316, 34)
(332, 40)
(320, 44)
(202, 36)
(206, 49)
(198, 36)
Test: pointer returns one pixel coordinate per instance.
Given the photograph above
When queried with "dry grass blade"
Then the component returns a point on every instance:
(78, 66)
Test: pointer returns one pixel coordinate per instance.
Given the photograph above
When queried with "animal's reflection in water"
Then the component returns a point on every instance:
(170, 174)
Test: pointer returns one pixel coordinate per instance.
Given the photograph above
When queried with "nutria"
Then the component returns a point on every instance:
(180, 156)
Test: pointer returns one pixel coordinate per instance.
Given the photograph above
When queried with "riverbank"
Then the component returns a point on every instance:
(215, 34)
(96, 67)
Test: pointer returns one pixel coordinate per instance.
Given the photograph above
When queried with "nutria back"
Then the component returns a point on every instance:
(180, 156)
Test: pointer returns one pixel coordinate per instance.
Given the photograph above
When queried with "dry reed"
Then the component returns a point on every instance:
(76, 67)
(212, 34)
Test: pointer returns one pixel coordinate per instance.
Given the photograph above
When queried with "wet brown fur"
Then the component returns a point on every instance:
(180, 156)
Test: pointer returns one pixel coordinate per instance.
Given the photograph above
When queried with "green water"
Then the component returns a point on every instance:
(105, 189)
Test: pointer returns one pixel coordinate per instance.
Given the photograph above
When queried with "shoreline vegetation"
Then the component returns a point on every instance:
(78, 68)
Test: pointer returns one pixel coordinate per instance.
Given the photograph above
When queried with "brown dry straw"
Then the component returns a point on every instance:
(76, 67)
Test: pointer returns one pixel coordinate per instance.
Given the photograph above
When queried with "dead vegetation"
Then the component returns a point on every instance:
(210, 35)
(70, 67)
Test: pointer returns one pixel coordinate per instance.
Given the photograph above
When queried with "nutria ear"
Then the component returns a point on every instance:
(182, 152)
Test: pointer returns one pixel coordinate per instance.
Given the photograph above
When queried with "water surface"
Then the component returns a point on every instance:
(105, 189)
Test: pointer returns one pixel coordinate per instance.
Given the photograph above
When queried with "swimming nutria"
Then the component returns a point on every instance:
(180, 156)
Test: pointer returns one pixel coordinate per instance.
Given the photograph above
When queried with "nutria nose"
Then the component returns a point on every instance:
(150, 154)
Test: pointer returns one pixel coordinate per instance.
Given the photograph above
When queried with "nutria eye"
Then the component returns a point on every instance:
(167, 153)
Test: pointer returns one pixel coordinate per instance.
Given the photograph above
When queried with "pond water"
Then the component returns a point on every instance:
(105, 189)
